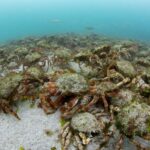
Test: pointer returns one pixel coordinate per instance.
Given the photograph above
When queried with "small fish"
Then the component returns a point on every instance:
(55, 21)
(89, 28)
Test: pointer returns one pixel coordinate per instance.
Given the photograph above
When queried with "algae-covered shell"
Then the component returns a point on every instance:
(134, 118)
(12, 64)
(43, 43)
(126, 68)
(123, 97)
(64, 53)
(127, 43)
(83, 55)
(83, 69)
(105, 86)
(72, 83)
(85, 122)
(2, 60)
(32, 57)
(146, 74)
(35, 72)
(9, 83)
(102, 48)
(21, 51)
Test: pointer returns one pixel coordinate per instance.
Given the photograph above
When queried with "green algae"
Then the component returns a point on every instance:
(48, 132)
(21, 148)
(62, 122)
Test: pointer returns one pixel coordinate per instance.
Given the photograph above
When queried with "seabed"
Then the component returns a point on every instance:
(74, 92)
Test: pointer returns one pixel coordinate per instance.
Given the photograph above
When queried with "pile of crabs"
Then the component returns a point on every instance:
(100, 85)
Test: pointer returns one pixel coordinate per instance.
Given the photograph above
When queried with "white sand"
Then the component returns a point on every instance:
(29, 132)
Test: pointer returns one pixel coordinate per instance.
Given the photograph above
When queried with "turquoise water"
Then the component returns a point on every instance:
(117, 18)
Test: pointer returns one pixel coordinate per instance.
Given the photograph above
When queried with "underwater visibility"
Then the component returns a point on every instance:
(83, 70)
(116, 18)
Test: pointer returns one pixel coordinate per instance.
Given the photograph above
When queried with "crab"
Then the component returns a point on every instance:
(17, 86)
(141, 84)
(63, 54)
(79, 129)
(134, 119)
(114, 76)
(123, 97)
(104, 89)
(144, 61)
(122, 66)
(31, 58)
(86, 127)
(8, 87)
(57, 58)
(128, 51)
(102, 51)
(83, 55)
(33, 78)
(50, 98)
(96, 93)
(111, 137)
(66, 86)
(68, 91)
(146, 75)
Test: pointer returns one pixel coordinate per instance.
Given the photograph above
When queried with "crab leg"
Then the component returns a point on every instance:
(66, 135)
(79, 144)
(46, 103)
(57, 102)
(126, 80)
(52, 88)
(69, 114)
(119, 143)
(92, 102)
(105, 102)
(68, 106)
(7, 109)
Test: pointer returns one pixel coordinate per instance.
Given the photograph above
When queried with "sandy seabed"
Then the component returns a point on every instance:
(29, 132)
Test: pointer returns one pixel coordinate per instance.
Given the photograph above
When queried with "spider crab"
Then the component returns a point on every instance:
(86, 127)
(74, 94)
(8, 87)
(17, 86)
(66, 87)
(79, 130)
(105, 89)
